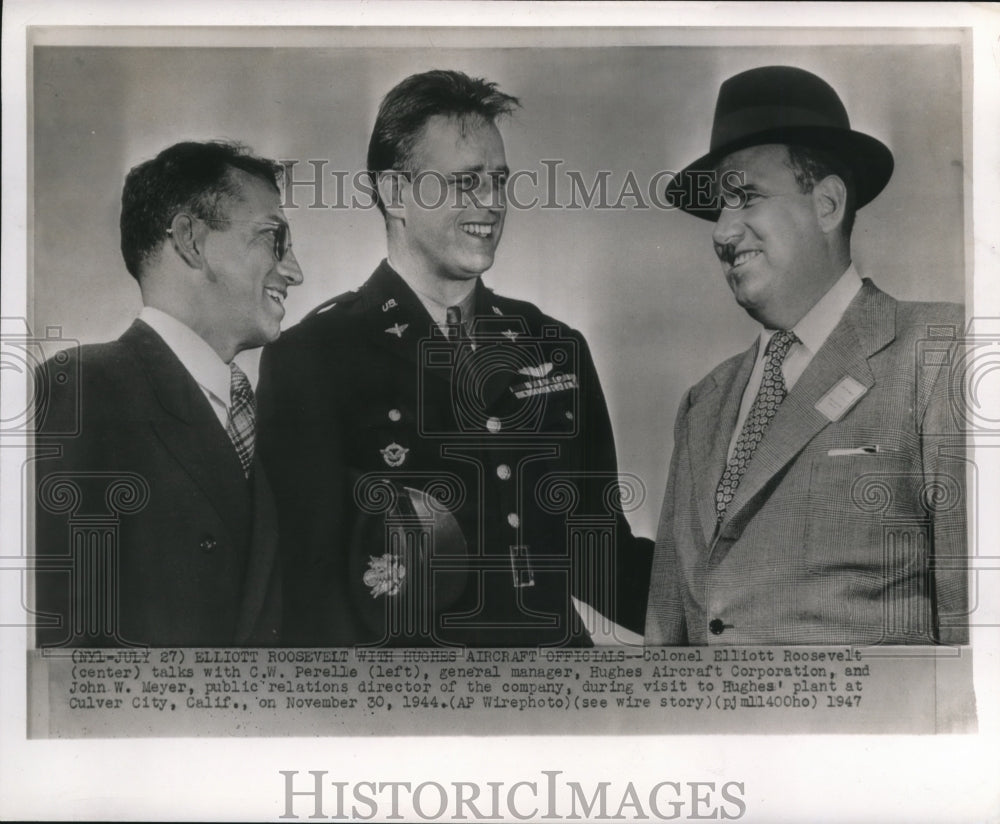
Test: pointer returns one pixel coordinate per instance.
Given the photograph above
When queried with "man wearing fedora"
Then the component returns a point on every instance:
(816, 491)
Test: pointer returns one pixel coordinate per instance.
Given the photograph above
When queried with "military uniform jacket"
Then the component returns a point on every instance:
(147, 530)
(849, 526)
(441, 491)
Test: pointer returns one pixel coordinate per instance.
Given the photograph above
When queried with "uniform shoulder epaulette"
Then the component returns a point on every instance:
(347, 297)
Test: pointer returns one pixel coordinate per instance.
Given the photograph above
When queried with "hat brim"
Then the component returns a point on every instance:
(869, 159)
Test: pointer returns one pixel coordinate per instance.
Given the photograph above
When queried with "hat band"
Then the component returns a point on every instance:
(749, 121)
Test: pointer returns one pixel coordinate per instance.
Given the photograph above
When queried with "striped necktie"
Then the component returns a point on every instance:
(240, 426)
(771, 393)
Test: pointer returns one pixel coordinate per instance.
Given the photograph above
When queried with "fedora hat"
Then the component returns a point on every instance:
(781, 104)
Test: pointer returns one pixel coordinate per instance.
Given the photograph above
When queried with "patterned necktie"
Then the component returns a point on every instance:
(240, 426)
(770, 395)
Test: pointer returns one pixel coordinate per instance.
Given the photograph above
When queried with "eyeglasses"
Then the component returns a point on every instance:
(282, 234)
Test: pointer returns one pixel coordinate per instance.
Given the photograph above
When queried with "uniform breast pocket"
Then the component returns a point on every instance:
(862, 508)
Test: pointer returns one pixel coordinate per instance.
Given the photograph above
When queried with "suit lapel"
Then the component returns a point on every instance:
(189, 428)
(713, 417)
(867, 326)
(260, 564)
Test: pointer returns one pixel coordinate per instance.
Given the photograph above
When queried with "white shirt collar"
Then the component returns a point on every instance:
(817, 324)
(200, 359)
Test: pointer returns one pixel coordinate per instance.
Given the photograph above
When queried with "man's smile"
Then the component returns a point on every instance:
(276, 294)
(733, 259)
(743, 257)
(480, 230)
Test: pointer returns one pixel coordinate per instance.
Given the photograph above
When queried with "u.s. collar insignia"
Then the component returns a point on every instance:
(394, 455)
(496, 311)
(397, 329)
(384, 575)
(510, 334)
(389, 304)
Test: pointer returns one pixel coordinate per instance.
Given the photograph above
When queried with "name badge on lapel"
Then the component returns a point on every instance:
(835, 403)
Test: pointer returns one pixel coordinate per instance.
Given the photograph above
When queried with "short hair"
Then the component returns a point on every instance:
(407, 108)
(810, 165)
(186, 176)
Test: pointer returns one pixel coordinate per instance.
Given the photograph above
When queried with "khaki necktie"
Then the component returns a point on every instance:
(456, 326)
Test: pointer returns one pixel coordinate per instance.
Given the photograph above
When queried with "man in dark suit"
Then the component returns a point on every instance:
(817, 485)
(155, 522)
(443, 460)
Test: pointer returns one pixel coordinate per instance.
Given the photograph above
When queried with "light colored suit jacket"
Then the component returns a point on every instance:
(841, 531)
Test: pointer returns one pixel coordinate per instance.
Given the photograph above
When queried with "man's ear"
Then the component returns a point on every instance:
(188, 238)
(392, 187)
(830, 201)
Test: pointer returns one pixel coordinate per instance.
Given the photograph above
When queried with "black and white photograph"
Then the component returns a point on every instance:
(500, 411)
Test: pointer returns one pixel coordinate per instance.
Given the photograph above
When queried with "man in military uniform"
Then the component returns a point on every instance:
(443, 458)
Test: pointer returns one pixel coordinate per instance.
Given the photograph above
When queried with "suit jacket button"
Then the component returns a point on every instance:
(208, 543)
(715, 626)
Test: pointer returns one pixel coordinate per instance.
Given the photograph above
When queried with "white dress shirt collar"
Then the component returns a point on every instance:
(817, 324)
(200, 359)
(812, 332)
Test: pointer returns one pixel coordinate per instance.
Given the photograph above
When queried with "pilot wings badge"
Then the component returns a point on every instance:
(535, 371)
(384, 575)
(541, 382)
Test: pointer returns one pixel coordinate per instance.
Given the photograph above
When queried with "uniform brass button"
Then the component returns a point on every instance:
(503, 472)
(208, 543)
(513, 520)
(715, 626)
(493, 424)
(395, 415)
